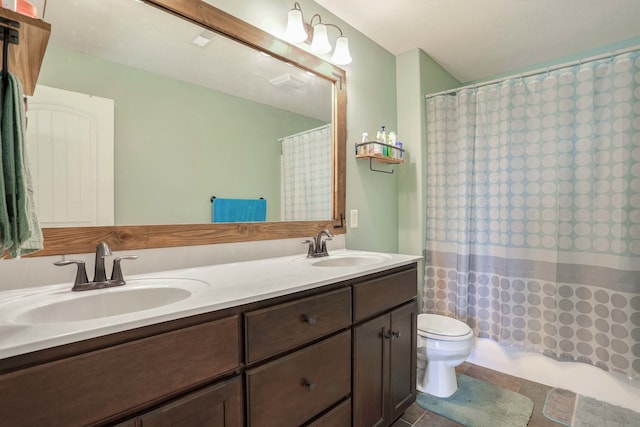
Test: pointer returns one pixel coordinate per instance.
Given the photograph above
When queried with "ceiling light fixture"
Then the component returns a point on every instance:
(299, 31)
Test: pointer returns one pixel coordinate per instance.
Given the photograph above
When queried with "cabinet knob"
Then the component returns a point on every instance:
(388, 335)
(310, 385)
(309, 319)
(395, 334)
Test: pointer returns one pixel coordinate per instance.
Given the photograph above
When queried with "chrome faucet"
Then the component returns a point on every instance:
(318, 246)
(100, 281)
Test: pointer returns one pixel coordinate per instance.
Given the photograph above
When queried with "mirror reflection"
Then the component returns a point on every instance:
(192, 115)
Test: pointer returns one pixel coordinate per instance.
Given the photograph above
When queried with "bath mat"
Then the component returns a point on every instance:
(574, 410)
(478, 403)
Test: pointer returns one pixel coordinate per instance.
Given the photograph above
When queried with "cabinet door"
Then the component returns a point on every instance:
(219, 405)
(402, 361)
(371, 372)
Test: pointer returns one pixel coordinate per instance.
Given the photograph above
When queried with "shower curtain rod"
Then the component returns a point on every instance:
(535, 72)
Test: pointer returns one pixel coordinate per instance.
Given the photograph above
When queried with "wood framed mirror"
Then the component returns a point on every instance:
(69, 240)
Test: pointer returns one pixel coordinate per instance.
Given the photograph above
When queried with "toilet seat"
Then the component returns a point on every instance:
(444, 328)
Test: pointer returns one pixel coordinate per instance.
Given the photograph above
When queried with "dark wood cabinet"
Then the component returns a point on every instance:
(340, 416)
(384, 367)
(219, 405)
(275, 329)
(338, 356)
(371, 372)
(94, 387)
(384, 348)
(402, 359)
(293, 389)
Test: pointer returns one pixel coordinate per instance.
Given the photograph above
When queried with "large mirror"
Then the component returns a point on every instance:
(237, 99)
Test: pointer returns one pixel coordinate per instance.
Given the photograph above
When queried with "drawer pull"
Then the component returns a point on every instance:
(311, 320)
(310, 385)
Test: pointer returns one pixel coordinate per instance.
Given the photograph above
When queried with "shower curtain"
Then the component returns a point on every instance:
(306, 175)
(533, 211)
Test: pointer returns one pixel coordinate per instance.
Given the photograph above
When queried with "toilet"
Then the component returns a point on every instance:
(443, 344)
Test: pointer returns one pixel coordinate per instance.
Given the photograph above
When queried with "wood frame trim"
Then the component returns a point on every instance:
(59, 241)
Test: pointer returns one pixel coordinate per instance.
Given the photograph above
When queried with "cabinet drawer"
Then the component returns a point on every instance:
(380, 294)
(216, 405)
(91, 387)
(339, 416)
(295, 388)
(281, 327)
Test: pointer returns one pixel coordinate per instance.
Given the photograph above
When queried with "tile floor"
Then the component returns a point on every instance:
(416, 416)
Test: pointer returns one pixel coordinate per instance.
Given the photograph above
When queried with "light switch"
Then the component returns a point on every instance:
(353, 222)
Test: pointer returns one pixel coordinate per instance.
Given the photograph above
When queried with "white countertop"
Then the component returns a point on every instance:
(225, 286)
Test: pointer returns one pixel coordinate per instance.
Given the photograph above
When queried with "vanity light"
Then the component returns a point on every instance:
(341, 55)
(298, 31)
(295, 31)
(320, 43)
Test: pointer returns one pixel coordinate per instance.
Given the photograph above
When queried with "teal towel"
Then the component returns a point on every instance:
(238, 210)
(20, 231)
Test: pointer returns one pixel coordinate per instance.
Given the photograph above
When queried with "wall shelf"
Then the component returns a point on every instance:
(364, 151)
(25, 58)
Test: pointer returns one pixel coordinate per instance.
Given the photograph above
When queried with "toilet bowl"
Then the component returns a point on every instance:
(443, 344)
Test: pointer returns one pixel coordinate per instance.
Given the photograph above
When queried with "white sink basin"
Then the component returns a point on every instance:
(348, 260)
(66, 306)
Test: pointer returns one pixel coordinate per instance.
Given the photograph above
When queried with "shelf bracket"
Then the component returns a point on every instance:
(8, 36)
(378, 170)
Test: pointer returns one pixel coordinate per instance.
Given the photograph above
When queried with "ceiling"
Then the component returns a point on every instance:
(143, 37)
(478, 39)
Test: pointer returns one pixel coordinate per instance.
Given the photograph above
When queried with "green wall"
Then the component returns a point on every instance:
(417, 74)
(176, 145)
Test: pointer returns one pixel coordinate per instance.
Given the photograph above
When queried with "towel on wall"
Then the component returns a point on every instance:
(238, 210)
(20, 231)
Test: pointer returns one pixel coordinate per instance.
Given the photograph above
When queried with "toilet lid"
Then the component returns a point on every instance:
(435, 324)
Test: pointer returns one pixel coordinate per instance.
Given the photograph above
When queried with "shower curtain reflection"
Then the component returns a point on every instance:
(533, 211)
(306, 175)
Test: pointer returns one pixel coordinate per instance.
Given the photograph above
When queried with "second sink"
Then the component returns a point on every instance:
(349, 260)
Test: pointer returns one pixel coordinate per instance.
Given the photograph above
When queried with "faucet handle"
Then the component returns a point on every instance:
(81, 273)
(116, 272)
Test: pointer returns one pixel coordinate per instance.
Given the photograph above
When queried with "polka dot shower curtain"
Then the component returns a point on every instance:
(533, 211)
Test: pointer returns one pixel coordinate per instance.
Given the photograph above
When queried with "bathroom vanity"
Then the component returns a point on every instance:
(280, 342)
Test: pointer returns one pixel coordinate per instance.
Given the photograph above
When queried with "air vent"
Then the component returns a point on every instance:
(287, 81)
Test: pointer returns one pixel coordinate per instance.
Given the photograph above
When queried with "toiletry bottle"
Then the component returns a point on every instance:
(382, 138)
(392, 152)
(363, 149)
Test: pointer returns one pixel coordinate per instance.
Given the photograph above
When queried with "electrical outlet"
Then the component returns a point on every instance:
(354, 218)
